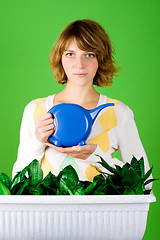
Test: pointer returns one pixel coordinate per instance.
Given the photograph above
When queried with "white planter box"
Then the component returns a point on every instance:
(74, 217)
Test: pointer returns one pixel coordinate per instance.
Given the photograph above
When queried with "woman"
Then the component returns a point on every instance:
(81, 58)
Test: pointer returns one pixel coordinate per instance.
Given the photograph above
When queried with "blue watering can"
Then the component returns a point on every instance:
(73, 123)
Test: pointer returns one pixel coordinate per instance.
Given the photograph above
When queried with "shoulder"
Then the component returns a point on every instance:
(122, 112)
(120, 107)
(38, 107)
(117, 113)
(32, 104)
(45, 102)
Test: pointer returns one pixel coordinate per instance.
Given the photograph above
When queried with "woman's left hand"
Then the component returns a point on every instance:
(81, 152)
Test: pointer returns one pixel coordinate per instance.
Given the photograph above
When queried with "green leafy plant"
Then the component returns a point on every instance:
(130, 179)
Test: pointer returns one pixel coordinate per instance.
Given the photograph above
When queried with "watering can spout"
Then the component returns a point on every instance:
(94, 112)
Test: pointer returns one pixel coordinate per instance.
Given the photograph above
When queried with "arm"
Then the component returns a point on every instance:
(29, 147)
(81, 152)
(129, 141)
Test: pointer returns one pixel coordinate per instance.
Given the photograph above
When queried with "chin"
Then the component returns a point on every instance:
(82, 82)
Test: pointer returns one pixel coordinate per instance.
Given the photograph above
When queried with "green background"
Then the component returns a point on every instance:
(28, 30)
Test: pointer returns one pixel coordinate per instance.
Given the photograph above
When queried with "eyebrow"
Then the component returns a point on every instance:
(68, 50)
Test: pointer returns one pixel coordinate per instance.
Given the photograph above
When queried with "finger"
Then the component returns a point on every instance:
(44, 136)
(72, 150)
(75, 151)
(59, 149)
(77, 148)
(41, 123)
(66, 150)
(48, 121)
(46, 128)
(85, 148)
(45, 116)
(50, 132)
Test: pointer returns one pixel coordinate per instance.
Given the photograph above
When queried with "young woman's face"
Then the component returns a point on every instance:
(79, 66)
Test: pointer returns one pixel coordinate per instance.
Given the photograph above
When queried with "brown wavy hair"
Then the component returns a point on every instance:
(91, 37)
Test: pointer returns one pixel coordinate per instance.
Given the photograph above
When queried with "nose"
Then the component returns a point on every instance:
(79, 62)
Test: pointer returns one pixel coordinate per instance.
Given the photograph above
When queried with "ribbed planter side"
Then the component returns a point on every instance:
(71, 225)
(102, 217)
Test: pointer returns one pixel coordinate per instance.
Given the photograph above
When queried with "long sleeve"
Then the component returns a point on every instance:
(129, 141)
(29, 147)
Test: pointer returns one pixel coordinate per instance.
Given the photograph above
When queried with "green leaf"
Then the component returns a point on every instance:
(31, 190)
(119, 169)
(100, 178)
(115, 179)
(6, 180)
(59, 192)
(100, 189)
(125, 168)
(129, 191)
(69, 175)
(113, 186)
(35, 172)
(131, 178)
(138, 165)
(23, 186)
(111, 190)
(15, 189)
(79, 190)
(4, 189)
(143, 186)
(41, 190)
(138, 188)
(90, 187)
(64, 187)
(135, 165)
(15, 180)
(150, 180)
(20, 176)
(49, 184)
(49, 180)
(147, 174)
(141, 164)
(107, 166)
(148, 191)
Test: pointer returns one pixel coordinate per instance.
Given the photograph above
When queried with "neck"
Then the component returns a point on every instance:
(84, 96)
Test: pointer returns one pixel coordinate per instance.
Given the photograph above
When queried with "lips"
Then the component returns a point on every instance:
(80, 74)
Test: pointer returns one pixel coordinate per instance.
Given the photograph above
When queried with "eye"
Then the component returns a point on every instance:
(90, 55)
(69, 54)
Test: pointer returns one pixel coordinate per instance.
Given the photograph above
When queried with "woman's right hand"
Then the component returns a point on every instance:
(44, 127)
